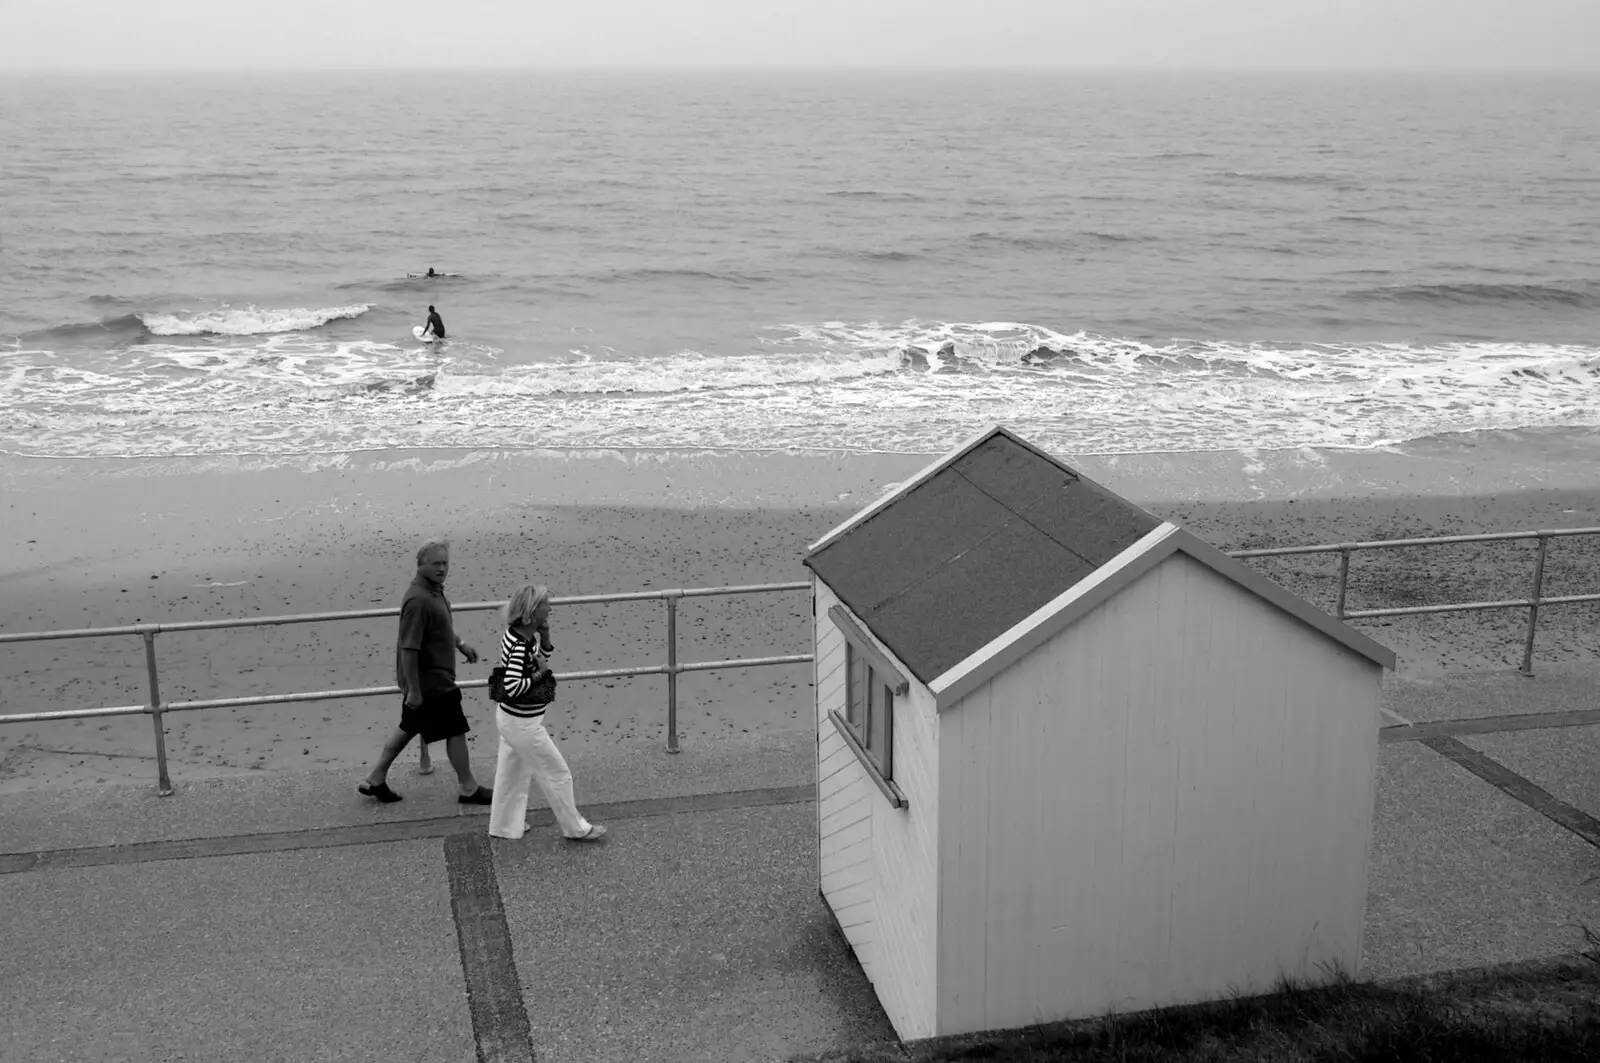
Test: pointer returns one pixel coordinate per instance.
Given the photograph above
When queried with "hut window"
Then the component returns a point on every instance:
(869, 709)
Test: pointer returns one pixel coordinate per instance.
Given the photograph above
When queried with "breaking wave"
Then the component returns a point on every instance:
(247, 321)
(117, 329)
(225, 321)
(1582, 295)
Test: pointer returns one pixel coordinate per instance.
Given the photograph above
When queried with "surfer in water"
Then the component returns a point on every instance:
(435, 326)
(431, 273)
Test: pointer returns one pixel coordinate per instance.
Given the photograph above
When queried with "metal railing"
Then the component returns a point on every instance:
(1532, 603)
(156, 708)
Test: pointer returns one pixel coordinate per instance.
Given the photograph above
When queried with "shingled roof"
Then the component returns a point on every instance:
(975, 546)
(987, 538)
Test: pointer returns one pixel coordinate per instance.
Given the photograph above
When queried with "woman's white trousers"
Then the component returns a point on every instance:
(528, 754)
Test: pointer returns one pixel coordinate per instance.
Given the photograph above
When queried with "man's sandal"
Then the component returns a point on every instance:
(481, 796)
(379, 790)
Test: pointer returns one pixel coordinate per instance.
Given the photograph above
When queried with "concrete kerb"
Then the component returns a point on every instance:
(1554, 690)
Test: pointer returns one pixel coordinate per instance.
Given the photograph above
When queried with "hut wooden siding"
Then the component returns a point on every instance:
(1145, 809)
(878, 863)
(844, 811)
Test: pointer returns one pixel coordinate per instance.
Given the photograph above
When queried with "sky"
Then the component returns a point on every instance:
(1166, 34)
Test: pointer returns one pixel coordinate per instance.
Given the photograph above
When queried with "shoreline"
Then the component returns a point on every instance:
(138, 542)
(1455, 464)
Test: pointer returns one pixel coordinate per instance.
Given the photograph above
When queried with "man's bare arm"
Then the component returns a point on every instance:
(408, 672)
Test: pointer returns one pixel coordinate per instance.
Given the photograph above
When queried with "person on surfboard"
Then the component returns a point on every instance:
(435, 326)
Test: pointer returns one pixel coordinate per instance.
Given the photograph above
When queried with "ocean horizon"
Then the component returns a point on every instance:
(206, 265)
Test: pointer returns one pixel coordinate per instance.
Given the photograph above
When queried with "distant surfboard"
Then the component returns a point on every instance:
(422, 334)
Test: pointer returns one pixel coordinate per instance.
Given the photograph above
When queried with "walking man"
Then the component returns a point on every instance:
(425, 669)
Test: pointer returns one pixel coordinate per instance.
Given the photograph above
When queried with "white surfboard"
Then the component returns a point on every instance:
(422, 334)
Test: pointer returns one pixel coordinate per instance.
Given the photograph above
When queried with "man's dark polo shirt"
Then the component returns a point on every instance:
(425, 626)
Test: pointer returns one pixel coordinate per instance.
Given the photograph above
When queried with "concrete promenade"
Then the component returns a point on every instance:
(283, 917)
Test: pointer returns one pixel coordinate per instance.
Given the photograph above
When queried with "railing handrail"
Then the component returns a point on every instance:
(1437, 540)
(372, 692)
(391, 610)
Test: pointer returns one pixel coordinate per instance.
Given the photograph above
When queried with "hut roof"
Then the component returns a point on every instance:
(989, 543)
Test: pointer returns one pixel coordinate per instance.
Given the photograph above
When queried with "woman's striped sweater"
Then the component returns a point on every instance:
(522, 663)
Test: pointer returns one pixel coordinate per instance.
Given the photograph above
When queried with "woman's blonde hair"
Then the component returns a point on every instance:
(521, 607)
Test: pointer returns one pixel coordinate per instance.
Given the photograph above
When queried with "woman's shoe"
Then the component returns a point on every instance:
(596, 832)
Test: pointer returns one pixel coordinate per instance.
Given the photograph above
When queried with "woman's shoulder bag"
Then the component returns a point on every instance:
(537, 696)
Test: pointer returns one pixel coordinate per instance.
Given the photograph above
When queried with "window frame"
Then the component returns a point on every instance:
(867, 672)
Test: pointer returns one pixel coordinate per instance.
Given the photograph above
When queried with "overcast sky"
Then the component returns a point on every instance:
(211, 34)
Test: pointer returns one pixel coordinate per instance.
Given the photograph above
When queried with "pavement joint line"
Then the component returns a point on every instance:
(1517, 786)
(386, 831)
(1528, 721)
(500, 1029)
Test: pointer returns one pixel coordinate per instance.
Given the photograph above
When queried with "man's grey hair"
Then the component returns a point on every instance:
(430, 546)
(521, 607)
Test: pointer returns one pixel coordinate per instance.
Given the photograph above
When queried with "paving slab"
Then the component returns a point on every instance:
(683, 937)
(327, 955)
(263, 802)
(1462, 875)
(1565, 762)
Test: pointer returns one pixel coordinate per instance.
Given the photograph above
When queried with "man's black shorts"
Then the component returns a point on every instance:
(437, 718)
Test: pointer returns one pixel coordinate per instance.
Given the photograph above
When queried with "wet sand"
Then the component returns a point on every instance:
(104, 544)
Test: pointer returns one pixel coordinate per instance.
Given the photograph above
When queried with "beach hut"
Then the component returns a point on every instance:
(1073, 760)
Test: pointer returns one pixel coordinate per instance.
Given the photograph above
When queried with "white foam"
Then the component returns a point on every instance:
(827, 386)
(248, 321)
(685, 371)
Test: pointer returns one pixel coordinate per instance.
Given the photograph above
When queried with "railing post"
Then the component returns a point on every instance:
(672, 670)
(163, 782)
(1344, 580)
(1533, 603)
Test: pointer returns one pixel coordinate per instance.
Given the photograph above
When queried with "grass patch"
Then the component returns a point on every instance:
(1546, 1011)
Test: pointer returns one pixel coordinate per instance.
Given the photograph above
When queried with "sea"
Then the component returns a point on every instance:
(231, 265)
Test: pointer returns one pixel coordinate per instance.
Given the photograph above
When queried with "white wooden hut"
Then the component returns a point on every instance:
(1073, 760)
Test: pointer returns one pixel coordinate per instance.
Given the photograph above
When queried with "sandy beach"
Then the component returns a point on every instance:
(108, 543)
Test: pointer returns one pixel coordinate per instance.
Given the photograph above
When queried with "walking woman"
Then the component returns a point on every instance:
(527, 752)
